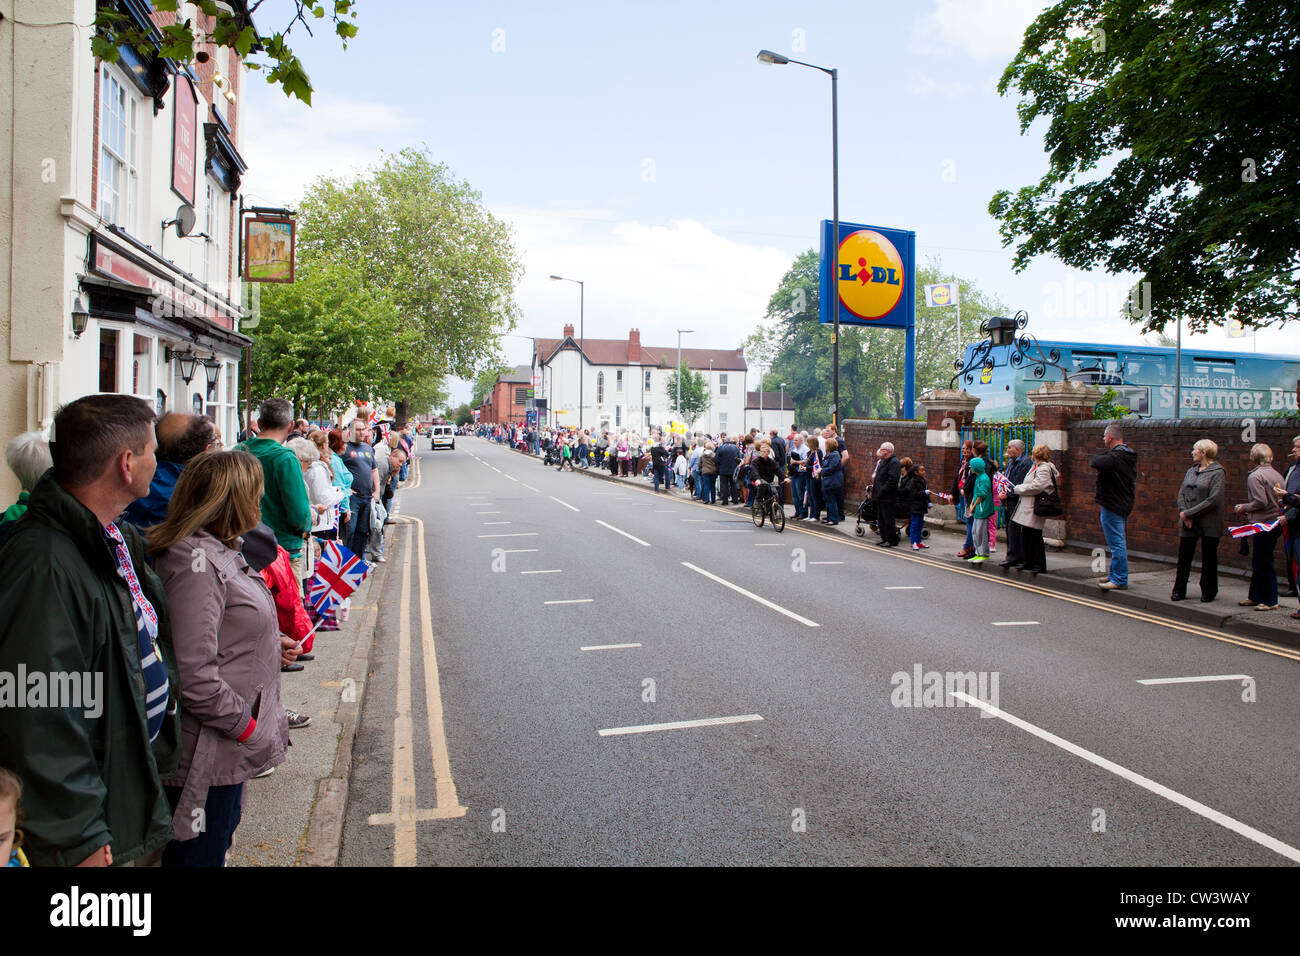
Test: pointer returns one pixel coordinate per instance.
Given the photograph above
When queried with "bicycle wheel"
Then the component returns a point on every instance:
(778, 515)
(758, 513)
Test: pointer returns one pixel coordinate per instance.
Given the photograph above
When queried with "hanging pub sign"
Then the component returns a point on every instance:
(268, 249)
(184, 140)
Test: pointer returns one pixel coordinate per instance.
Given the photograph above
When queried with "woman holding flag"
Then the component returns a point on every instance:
(1263, 511)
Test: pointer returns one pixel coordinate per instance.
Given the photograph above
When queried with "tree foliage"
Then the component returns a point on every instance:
(114, 29)
(695, 395)
(486, 377)
(463, 415)
(796, 349)
(1171, 132)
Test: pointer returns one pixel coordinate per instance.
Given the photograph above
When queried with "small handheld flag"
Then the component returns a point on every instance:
(1258, 527)
(338, 573)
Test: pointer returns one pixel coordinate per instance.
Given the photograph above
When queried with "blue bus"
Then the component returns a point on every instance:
(1214, 384)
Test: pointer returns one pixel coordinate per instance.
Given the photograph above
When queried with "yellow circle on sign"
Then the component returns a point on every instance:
(871, 274)
(940, 295)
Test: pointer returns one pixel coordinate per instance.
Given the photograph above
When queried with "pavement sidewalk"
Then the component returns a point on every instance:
(1075, 571)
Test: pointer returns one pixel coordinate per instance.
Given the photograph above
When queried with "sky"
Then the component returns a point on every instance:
(642, 148)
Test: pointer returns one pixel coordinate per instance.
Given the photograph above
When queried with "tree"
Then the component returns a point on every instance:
(426, 244)
(114, 29)
(796, 349)
(463, 415)
(1193, 108)
(486, 378)
(695, 395)
(321, 344)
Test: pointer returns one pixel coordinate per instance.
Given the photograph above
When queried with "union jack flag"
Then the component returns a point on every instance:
(339, 572)
(374, 417)
(1002, 484)
(1246, 530)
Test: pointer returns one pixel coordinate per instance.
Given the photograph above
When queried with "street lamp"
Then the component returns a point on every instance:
(776, 59)
(680, 333)
(582, 357)
(710, 396)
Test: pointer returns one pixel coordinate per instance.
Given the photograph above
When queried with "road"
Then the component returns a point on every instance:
(501, 727)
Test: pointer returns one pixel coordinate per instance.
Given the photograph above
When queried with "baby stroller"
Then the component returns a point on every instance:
(867, 519)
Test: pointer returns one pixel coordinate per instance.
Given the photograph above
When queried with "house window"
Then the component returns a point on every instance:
(722, 421)
(521, 395)
(647, 417)
(618, 381)
(647, 380)
(108, 360)
(722, 383)
(119, 150)
(215, 203)
(142, 366)
(618, 415)
(600, 388)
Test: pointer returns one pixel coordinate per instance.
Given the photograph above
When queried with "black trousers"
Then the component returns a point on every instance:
(726, 488)
(1032, 550)
(885, 519)
(1015, 543)
(1209, 564)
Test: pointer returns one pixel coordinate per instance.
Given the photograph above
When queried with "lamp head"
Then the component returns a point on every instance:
(772, 59)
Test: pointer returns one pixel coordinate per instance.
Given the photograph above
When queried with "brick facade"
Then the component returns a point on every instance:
(864, 436)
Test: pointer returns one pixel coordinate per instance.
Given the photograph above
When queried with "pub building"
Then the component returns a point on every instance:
(120, 273)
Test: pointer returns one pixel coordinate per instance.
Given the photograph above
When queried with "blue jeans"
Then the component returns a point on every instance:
(798, 491)
(699, 483)
(914, 528)
(834, 504)
(1114, 526)
(710, 488)
(970, 536)
(359, 526)
(659, 475)
(221, 814)
(681, 482)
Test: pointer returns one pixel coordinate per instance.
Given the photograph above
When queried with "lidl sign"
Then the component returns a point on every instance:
(874, 274)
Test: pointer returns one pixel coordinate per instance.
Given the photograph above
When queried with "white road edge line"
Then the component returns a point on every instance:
(512, 478)
(572, 601)
(825, 562)
(678, 725)
(1192, 680)
(1249, 832)
(906, 587)
(565, 503)
(518, 551)
(517, 534)
(551, 571)
(530, 487)
(769, 544)
(623, 533)
(606, 647)
(751, 595)
(1012, 623)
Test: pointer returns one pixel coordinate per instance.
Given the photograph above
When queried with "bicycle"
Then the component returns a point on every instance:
(767, 504)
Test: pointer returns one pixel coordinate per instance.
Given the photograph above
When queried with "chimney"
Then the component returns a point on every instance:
(634, 347)
(568, 330)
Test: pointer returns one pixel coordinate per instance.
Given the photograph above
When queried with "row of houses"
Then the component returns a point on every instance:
(105, 166)
(616, 384)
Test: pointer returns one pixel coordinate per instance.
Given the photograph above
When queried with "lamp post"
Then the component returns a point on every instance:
(780, 415)
(776, 59)
(759, 366)
(582, 353)
(710, 396)
(680, 333)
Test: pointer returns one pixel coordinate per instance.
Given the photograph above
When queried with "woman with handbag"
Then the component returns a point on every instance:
(1200, 516)
(1263, 507)
(1041, 480)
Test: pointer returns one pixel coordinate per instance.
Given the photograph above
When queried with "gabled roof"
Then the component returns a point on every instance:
(772, 401)
(615, 352)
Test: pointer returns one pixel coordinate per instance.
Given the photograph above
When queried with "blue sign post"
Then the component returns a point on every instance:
(875, 276)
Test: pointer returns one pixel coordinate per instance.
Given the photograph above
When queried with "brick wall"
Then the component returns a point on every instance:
(1164, 450)
(864, 437)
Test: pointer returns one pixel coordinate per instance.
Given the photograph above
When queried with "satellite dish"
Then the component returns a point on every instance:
(185, 220)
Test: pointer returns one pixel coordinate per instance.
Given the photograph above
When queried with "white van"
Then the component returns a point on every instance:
(443, 436)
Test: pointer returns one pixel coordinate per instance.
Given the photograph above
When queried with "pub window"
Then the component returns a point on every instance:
(119, 151)
(142, 366)
(108, 360)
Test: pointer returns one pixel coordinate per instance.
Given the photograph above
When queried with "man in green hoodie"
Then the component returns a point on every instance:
(285, 506)
(982, 509)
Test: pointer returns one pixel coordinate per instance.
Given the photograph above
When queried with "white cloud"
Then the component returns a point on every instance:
(982, 29)
(289, 144)
(923, 85)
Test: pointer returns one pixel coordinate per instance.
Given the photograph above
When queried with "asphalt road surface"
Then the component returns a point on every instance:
(505, 722)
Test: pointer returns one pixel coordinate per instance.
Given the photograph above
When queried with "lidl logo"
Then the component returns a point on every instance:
(940, 295)
(986, 374)
(871, 274)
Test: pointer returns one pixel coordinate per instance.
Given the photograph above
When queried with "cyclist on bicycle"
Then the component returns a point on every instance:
(768, 472)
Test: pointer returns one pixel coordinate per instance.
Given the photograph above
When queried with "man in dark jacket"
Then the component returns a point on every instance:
(1116, 484)
(1018, 466)
(884, 492)
(79, 605)
(728, 456)
(779, 451)
(181, 437)
(658, 456)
